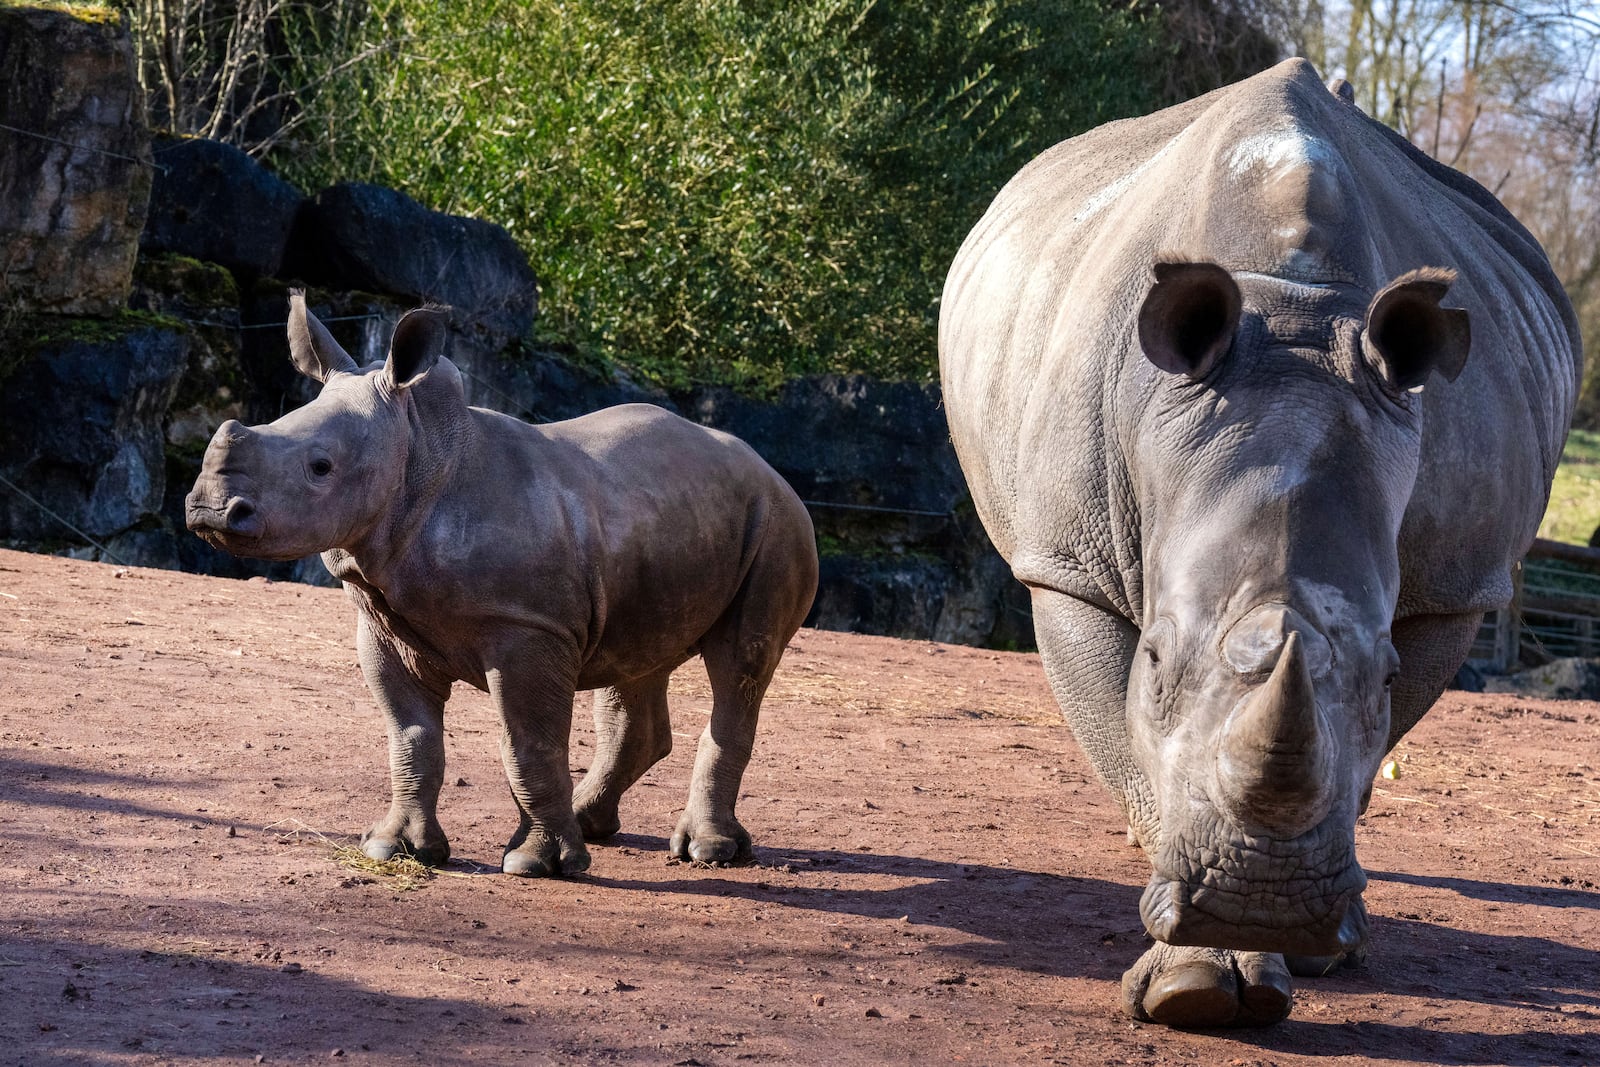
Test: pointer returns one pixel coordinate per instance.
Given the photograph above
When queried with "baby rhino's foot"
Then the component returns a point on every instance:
(421, 839)
(1197, 987)
(597, 816)
(539, 851)
(723, 843)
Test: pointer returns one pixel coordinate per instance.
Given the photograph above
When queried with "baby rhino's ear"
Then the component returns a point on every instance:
(312, 348)
(418, 343)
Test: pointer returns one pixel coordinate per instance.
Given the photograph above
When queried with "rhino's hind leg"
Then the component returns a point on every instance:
(708, 832)
(632, 734)
(1201, 987)
(741, 652)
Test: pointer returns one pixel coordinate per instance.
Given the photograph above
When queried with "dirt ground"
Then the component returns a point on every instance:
(939, 878)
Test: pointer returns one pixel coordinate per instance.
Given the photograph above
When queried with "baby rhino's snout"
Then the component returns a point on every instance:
(221, 501)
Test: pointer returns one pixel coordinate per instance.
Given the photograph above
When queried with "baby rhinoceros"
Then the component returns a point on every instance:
(531, 562)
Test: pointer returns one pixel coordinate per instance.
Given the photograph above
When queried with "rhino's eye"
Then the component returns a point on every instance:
(1391, 660)
(322, 466)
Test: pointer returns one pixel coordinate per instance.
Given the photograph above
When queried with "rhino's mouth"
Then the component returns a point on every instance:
(1301, 896)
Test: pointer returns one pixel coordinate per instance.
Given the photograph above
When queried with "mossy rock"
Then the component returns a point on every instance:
(24, 334)
(94, 14)
(188, 281)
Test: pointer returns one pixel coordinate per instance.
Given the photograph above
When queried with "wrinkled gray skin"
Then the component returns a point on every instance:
(530, 562)
(1213, 412)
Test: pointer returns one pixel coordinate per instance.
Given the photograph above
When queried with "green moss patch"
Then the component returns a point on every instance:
(23, 334)
(196, 283)
(89, 11)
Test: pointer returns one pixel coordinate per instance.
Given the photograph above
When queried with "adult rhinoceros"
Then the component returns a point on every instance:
(1214, 413)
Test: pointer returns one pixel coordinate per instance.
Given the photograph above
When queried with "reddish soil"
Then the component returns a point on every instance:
(939, 877)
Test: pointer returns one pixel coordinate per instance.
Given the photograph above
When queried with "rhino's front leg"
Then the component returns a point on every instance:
(533, 693)
(414, 708)
(1087, 653)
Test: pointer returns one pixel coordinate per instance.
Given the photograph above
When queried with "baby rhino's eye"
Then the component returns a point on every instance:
(321, 467)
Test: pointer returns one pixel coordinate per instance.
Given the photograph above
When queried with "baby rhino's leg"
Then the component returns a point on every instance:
(413, 708)
(632, 734)
(534, 691)
(741, 651)
(708, 831)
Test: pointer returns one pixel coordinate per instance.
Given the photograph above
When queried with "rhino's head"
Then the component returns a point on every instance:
(1275, 468)
(321, 476)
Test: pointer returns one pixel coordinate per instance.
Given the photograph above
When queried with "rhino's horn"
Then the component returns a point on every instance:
(1277, 754)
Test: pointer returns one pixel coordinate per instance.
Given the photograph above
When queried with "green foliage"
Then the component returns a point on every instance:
(1574, 511)
(726, 190)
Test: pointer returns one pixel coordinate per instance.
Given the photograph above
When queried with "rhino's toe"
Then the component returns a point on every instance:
(1266, 992)
(597, 822)
(383, 844)
(718, 846)
(546, 858)
(1198, 987)
(1194, 993)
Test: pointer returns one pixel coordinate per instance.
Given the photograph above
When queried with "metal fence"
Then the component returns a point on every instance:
(1553, 614)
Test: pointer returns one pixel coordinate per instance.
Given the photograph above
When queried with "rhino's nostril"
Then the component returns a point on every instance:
(241, 517)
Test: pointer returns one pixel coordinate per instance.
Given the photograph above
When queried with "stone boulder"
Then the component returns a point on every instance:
(204, 297)
(81, 426)
(357, 236)
(1562, 679)
(542, 385)
(212, 202)
(851, 444)
(74, 183)
(902, 551)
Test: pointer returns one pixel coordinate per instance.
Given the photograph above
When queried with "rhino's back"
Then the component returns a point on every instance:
(1044, 382)
(639, 472)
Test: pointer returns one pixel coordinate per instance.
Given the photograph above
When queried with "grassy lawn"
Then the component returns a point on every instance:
(1574, 509)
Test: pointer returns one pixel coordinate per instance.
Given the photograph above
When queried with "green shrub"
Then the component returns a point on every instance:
(726, 190)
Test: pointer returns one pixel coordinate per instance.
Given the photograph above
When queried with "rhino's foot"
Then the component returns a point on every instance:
(597, 825)
(541, 853)
(1200, 987)
(394, 838)
(722, 843)
(1317, 966)
(597, 818)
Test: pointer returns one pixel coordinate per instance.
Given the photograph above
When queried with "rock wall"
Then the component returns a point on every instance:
(80, 433)
(103, 422)
(902, 551)
(74, 161)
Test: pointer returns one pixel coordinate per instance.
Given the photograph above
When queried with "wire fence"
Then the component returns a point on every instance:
(36, 135)
(1554, 611)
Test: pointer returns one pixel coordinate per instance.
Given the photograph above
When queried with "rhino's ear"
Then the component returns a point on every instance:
(1189, 319)
(312, 348)
(418, 343)
(1408, 334)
